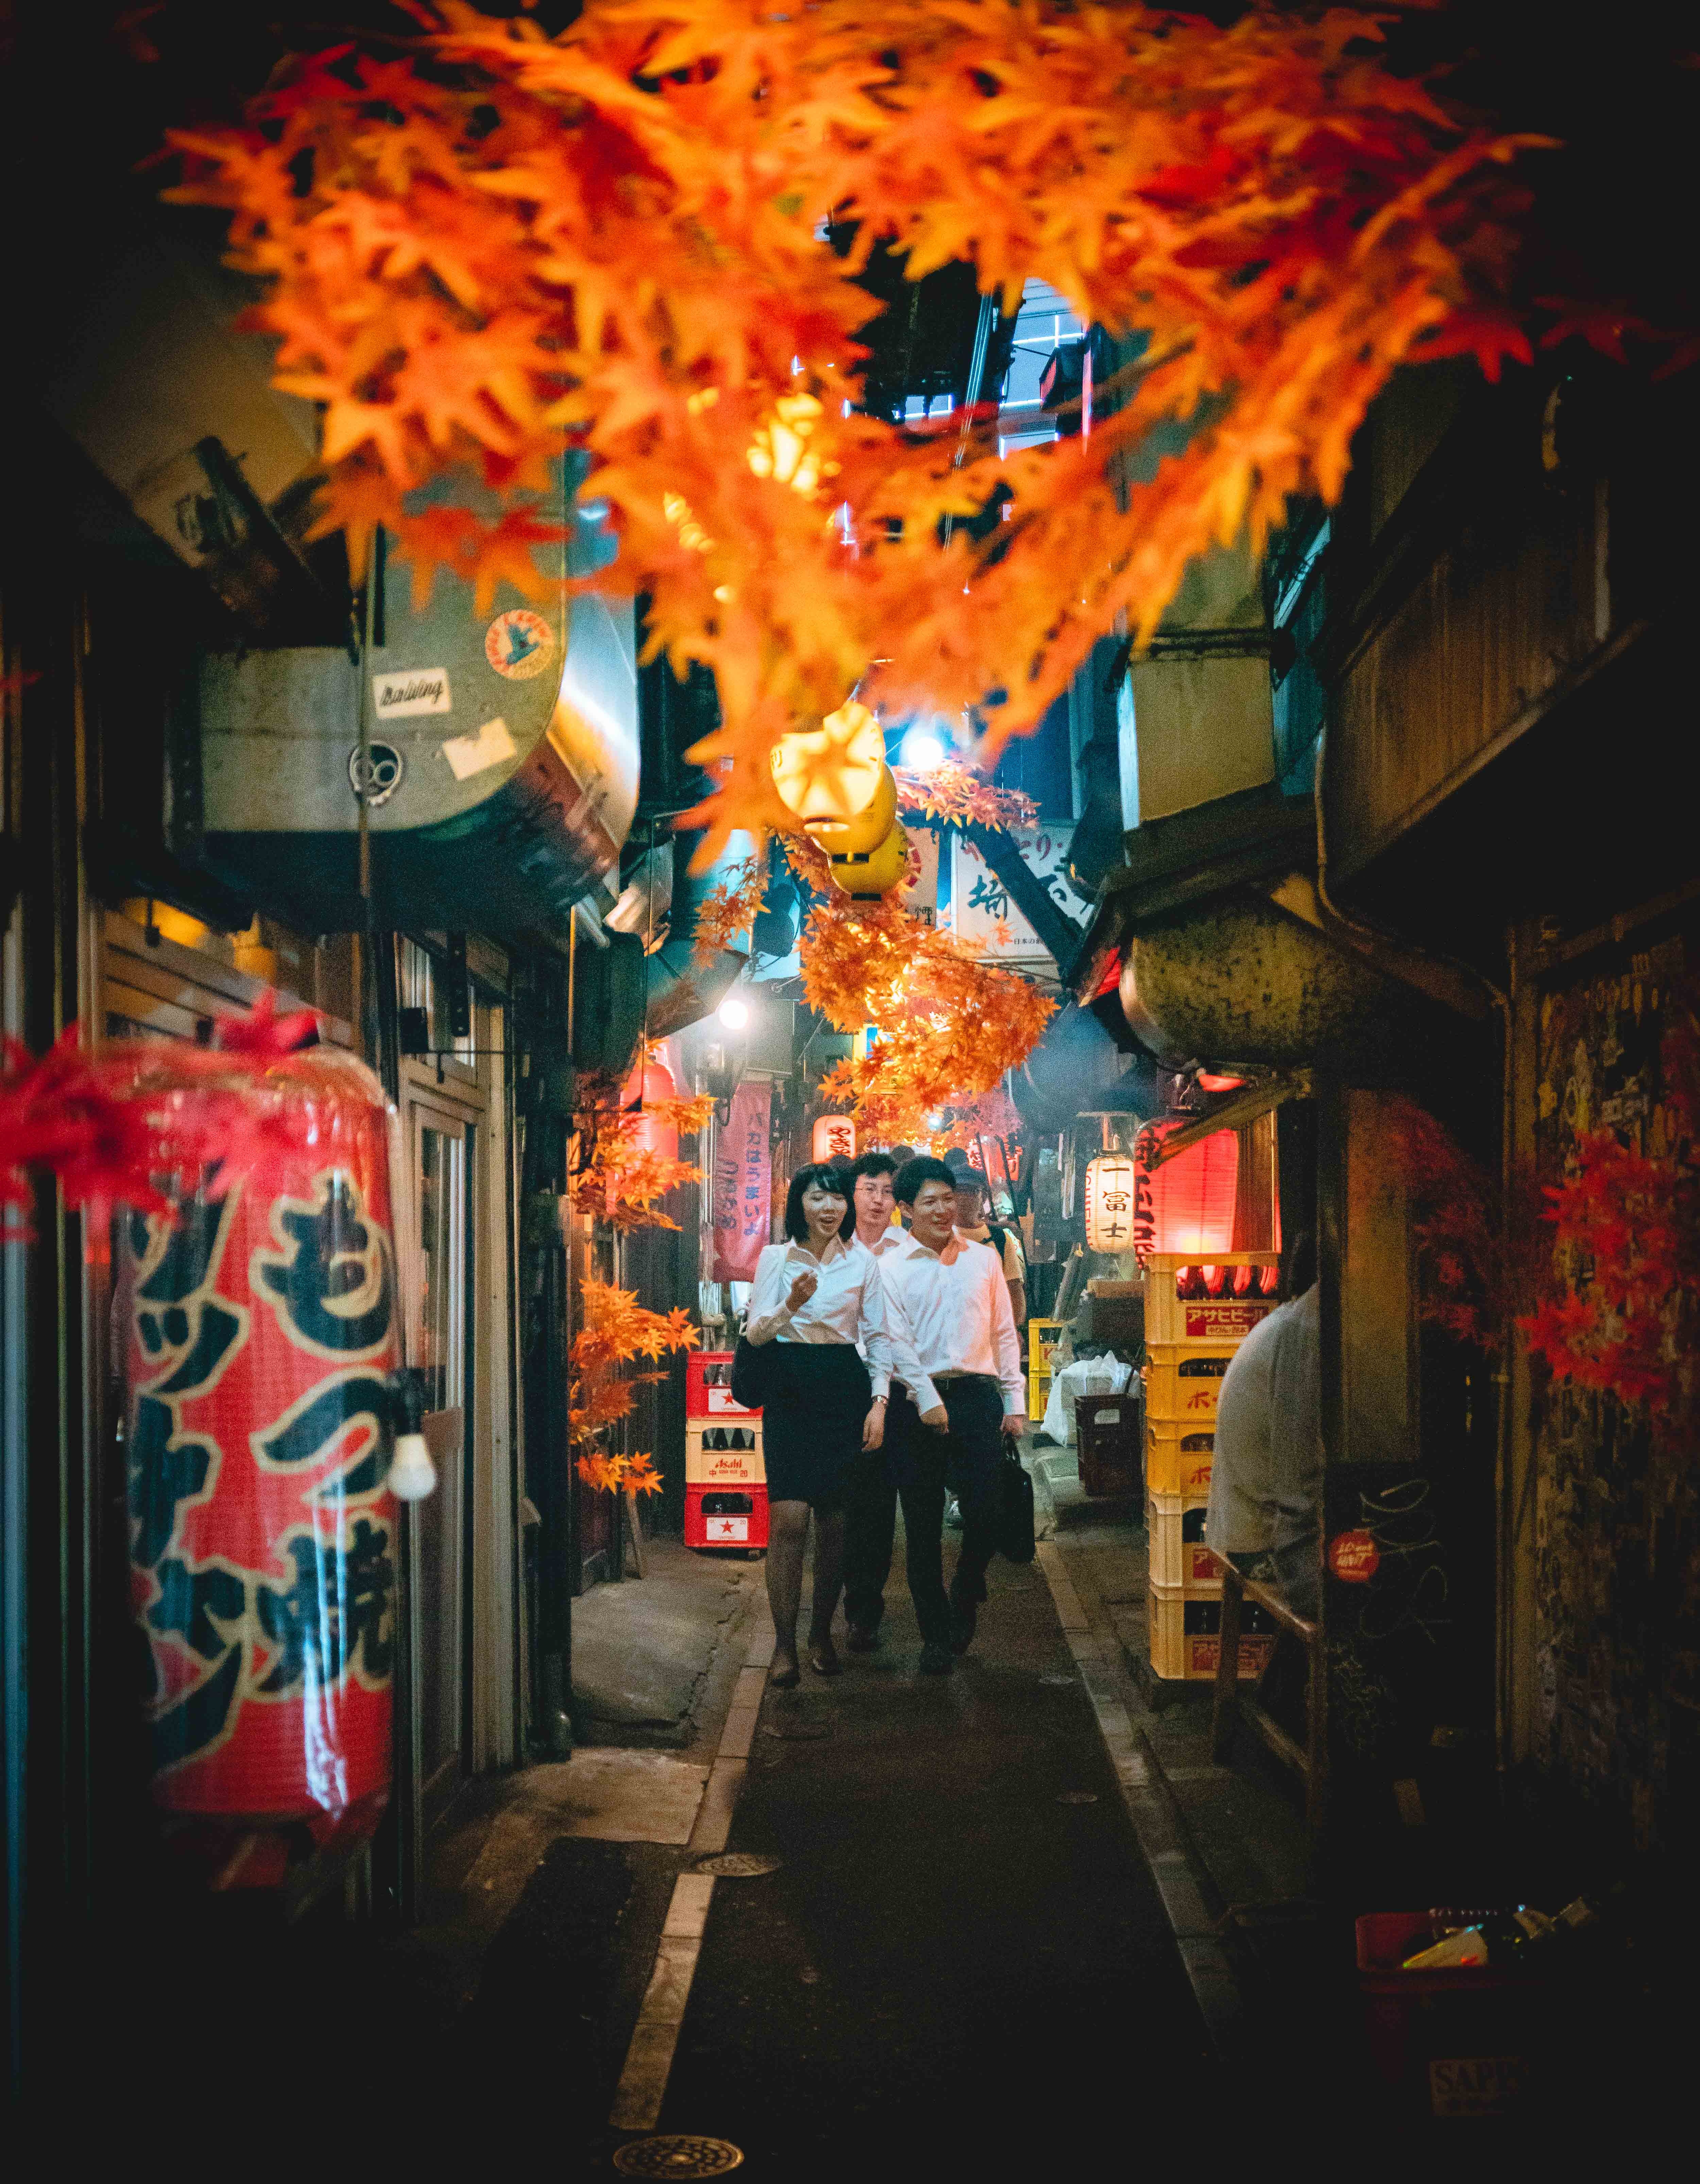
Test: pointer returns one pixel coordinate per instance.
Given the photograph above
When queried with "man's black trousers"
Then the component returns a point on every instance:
(924, 1463)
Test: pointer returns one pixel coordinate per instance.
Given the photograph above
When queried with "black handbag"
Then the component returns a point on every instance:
(749, 1373)
(1013, 1508)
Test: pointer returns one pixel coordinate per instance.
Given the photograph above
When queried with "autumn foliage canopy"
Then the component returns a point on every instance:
(505, 244)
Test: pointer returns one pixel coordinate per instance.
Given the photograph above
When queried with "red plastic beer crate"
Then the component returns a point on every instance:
(1171, 1319)
(708, 1386)
(726, 1517)
(1107, 1433)
(1174, 1528)
(1186, 1637)
(707, 1465)
(1178, 1458)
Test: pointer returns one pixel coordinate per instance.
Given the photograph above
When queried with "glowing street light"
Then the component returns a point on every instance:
(733, 1013)
(922, 750)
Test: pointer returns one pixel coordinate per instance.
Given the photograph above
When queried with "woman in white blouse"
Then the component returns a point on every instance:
(815, 1297)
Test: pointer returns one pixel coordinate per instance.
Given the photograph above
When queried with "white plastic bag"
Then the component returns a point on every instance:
(1088, 1376)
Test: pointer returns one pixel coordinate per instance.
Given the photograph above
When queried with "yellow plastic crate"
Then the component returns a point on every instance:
(706, 1466)
(1175, 1319)
(1184, 1381)
(1186, 1637)
(1178, 1458)
(1174, 1531)
(1042, 1338)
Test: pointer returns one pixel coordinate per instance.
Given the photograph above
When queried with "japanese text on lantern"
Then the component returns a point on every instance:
(262, 1337)
(1110, 1203)
(834, 1138)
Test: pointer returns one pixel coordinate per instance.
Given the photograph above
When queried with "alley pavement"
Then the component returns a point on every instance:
(962, 1958)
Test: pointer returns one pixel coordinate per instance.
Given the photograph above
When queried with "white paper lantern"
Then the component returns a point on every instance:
(834, 1139)
(1110, 1202)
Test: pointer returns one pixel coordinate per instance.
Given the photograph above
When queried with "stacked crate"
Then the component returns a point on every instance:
(1188, 1344)
(1042, 1338)
(725, 1482)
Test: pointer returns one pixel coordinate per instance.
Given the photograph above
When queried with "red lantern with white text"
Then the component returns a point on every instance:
(834, 1139)
(263, 1332)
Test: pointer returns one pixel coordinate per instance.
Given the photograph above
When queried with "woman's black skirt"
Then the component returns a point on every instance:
(817, 1400)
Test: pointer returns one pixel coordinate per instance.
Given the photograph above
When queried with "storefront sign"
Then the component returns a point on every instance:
(982, 912)
(1354, 1556)
(1229, 1320)
(743, 1183)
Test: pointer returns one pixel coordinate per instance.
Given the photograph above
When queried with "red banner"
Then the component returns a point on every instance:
(743, 1184)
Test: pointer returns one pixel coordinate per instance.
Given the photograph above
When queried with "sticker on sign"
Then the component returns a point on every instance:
(396, 697)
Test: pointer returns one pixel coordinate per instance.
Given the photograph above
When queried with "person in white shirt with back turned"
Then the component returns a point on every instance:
(819, 1301)
(956, 1350)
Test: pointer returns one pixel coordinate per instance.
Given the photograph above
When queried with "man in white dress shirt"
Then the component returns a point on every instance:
(955, 1350)
(872, 1503)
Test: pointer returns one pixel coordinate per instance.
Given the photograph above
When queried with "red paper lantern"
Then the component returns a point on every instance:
(263, 1329)
(1186, 1205)
(651, 1084)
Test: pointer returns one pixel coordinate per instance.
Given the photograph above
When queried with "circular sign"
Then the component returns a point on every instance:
(1354, 1556)
(518, 644)
(379, 778)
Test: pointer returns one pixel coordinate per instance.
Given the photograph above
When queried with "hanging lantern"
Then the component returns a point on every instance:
(885, 866)
(835, 771)
(263, 1334)
(650, 1083)
(864, 832)
(834, 1139)
(1110, 1202)
(1187, 1204)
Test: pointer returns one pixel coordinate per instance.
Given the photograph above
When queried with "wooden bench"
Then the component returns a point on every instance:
(1308, 1760)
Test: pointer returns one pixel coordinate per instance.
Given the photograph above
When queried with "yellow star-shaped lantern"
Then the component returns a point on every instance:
(833, 771)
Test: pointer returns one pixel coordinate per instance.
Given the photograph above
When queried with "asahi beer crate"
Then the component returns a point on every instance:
(1182, 1381)
(734, 1517)
(1173, 1319)
(708, 1386)
(1186, 1637)
(1174, 1527)
(723, 1455)
(1042, 1338)
(1178, 1458)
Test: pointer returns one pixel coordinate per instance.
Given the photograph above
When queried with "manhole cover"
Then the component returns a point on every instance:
(1079, 1797)
(794, 1730)
(737, 1865)
(1057, 1679)
(677, 2153)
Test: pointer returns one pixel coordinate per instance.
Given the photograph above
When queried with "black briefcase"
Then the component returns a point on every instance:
(1014, 1509)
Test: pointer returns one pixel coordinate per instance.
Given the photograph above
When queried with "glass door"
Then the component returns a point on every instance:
(439, 1344)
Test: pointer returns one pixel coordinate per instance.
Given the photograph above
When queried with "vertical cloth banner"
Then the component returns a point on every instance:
(743, 1182)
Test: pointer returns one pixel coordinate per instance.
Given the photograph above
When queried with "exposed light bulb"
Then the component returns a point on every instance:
(412, 1474)
(733, 1013)
(922, 750)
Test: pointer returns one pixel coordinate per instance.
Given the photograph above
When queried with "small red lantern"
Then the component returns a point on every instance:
(651, 1084)
(1186, 1205)
(834, 1139)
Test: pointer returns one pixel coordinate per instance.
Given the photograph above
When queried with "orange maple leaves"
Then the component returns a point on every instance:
(616, 1175)
(612, 239)
(617, 1329)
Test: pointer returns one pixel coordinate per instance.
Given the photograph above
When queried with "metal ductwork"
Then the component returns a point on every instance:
(682, 990)
(501, 753)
